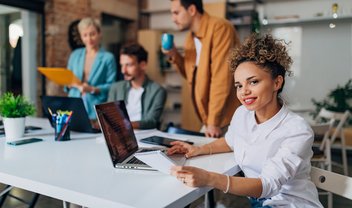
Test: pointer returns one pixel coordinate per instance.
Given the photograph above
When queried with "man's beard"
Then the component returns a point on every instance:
(128, 77)
(183, 28)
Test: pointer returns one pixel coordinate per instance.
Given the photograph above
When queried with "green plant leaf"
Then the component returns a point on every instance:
(12, 106)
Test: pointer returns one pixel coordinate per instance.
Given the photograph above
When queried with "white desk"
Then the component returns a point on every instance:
(80, 171)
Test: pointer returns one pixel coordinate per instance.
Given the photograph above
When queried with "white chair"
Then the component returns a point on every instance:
(322, 154)
(332, 182)
(338, 120)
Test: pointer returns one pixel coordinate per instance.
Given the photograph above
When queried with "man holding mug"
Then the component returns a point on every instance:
(205, 65)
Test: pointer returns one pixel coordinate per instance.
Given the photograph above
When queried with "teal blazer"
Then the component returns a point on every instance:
(102, 75)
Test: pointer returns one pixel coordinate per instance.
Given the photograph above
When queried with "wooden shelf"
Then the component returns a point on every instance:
(154, 11)
(236, 2)
(169, 110)
(176, 89)
(169, 70)
(307, 20)
(241, 12)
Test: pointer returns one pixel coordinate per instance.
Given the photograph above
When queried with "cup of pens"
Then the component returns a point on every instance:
(61, 121)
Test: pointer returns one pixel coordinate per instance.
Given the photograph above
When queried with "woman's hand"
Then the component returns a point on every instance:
(191, 176)
(86, 88)
(83, 88)
(213, 131)
(184, 148)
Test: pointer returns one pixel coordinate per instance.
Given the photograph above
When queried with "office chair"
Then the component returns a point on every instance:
(6, 193)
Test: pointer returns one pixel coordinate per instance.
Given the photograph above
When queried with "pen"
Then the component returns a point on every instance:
(64, 128)
(51, 113)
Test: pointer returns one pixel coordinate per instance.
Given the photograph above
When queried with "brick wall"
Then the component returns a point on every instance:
(60, 13)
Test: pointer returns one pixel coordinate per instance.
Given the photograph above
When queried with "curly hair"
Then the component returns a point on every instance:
(266, 52)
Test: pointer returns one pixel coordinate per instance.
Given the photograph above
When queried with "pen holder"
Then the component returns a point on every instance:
(62, 132)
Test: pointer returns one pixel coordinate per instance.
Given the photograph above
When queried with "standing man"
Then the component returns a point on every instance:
(205, 64)
(144, 98)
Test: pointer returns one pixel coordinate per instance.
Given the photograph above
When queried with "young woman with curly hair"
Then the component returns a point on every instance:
(271, 144)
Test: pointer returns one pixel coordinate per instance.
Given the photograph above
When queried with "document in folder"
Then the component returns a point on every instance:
(60, 76)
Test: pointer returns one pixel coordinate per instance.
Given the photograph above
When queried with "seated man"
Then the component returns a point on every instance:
(144, 98)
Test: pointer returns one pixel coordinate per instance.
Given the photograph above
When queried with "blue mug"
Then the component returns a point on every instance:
(167, 41)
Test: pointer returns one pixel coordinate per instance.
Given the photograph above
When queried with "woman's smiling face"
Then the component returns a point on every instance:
(256, 89)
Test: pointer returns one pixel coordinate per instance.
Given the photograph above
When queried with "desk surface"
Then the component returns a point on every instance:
(80, 171)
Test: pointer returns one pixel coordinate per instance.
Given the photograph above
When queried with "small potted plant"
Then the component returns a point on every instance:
(14, 110)
(338, 99)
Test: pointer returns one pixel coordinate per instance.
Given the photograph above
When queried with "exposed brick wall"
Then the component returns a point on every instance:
(58, 16)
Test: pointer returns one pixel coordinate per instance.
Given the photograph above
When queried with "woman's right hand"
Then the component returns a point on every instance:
(179, 147)
(83, 88)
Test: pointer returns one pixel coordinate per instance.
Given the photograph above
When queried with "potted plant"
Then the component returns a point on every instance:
(14, 110)
(339, 100)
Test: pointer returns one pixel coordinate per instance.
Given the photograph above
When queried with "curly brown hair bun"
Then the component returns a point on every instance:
(264, 51)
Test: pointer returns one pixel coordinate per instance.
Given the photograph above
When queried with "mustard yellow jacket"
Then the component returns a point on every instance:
(214, 92)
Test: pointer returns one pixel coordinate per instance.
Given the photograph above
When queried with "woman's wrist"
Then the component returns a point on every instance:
(219, 181)
(204, 150)
(207, 149)
(213, 179)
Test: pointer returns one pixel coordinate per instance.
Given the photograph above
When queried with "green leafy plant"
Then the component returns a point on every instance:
(12, 106)
(338, 100)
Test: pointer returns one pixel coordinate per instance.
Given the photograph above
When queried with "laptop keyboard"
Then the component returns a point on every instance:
(134, 160)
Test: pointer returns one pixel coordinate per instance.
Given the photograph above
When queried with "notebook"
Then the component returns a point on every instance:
(120, 138)
(80, 121)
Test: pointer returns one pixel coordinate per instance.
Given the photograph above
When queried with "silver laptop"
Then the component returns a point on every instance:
(120, 139)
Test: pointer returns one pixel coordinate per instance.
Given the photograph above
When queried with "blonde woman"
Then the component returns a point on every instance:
(94, 66)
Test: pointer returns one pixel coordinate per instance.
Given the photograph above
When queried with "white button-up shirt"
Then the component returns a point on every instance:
(278, 152)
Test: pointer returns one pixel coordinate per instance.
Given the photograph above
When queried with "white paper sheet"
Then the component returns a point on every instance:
(157, 160)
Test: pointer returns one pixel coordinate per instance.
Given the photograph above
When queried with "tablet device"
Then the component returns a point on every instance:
(161, 141)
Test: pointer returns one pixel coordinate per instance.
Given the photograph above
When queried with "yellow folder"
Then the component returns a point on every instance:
(60, 76)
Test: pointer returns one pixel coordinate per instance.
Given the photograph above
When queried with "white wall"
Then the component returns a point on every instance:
(306, 8)
(325, 53)
(29, 51)
(321, 62)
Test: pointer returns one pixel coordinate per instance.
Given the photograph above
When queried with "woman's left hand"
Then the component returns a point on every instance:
(86, 88)
(191, 176)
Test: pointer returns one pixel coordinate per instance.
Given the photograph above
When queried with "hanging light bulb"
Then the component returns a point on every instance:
(335, 8)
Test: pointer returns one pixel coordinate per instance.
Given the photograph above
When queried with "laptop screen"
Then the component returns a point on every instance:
(117, 130)
(80, 121)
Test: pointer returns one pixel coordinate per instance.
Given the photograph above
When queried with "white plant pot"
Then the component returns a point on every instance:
(14, 128)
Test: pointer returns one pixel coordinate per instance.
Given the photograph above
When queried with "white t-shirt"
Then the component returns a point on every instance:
(198, 45)
(134, 104)
(278, 152)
